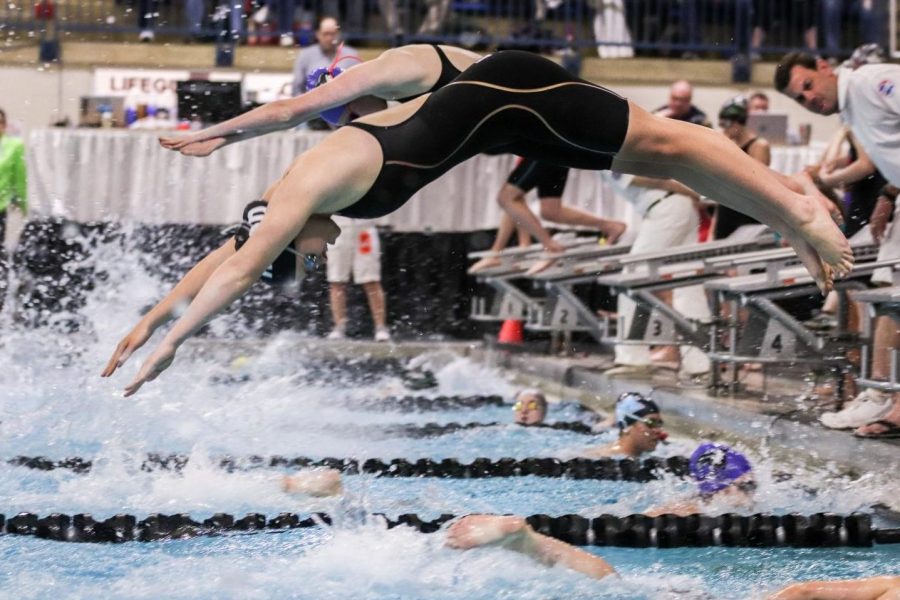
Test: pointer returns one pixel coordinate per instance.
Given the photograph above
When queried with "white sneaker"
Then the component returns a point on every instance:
(287, 40)
(337, 334)
(382, 334)
(870, 405)
(146, 36)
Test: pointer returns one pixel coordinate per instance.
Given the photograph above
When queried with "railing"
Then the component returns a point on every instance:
(608, 28)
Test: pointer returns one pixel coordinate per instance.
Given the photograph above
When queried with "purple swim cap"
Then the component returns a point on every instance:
(321, 76)
(716, 466)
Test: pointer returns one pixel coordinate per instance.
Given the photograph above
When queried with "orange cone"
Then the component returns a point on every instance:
(510, 332)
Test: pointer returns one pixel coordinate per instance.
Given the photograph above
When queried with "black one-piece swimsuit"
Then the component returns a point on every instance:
(511, 101)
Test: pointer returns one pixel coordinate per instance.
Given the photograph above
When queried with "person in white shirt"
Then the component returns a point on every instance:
(322, 54)
(868, 101)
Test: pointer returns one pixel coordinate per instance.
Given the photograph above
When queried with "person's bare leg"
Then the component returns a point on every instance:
(375, 296)
(508, 193)
(713, 166)
(521, 234)
(337, 292)
(552, 209)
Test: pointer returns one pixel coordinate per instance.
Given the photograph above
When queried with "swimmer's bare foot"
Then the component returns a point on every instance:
(821, 246)
(613, 230)
(480, 530)
(488, 262)
(542, 265)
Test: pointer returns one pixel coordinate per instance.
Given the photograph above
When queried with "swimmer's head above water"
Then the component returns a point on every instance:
(530, 407)
(718, 468)
(639, 420)
(300, 258)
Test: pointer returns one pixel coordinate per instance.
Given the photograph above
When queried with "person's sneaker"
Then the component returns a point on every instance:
(146, 36)
(870, 405)
(635, 371)
(287, 40)
(337, 334)
(382, 334)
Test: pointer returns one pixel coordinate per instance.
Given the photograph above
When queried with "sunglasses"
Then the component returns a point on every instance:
(530, 405)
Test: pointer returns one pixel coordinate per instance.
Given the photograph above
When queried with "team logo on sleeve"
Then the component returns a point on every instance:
(886, 87)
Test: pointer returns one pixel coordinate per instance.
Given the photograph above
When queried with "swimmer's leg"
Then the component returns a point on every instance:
(553, 209)
(711, 164)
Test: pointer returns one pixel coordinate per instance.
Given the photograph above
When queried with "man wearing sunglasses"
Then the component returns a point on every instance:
(640, 428)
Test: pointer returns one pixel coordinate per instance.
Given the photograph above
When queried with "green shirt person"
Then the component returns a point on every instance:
(13, 182)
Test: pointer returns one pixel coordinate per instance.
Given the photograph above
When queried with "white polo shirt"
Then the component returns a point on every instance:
(869, 101)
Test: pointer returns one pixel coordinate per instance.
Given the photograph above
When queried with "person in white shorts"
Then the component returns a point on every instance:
(356, 253)
(670, 219)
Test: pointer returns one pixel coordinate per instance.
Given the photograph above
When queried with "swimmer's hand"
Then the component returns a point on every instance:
(136, 338)
(480, 530)
(155, 364)
(191, 145)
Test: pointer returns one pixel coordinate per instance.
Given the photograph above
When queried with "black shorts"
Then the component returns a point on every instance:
(550, 180)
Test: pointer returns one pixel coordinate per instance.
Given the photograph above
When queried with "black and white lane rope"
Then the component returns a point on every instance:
(634, 531)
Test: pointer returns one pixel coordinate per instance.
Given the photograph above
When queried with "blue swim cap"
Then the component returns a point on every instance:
(716, 466)
(633, 406)
(332, 116)
(284, 270)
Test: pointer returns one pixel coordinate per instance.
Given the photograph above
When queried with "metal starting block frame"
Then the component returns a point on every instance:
(879, 302)
(656, 322)
(771, 335)
(563, 311)
(510, 301)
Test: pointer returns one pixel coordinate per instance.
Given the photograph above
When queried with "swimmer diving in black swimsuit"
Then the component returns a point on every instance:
(512, 102)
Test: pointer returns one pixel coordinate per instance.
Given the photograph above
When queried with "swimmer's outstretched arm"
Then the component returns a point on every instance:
(396, 73)
(231, 280)
(515, 534)
(873, 588)
(169, 307)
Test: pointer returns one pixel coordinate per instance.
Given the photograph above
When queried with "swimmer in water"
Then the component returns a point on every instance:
(640, 429)
(724, 479)
(870, 588)
(512, 102)
(530, 407)
(514, 533)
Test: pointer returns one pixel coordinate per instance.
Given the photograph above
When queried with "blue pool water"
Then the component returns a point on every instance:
(53, 404)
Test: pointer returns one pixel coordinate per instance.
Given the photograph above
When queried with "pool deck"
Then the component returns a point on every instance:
(787, 427)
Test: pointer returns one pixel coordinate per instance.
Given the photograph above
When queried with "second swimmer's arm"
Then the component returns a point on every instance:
(169, 307)
(230, 281)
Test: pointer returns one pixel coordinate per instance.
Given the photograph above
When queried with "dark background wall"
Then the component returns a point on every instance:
(424, 276)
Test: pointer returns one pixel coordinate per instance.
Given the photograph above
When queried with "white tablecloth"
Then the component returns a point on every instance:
(91, 174)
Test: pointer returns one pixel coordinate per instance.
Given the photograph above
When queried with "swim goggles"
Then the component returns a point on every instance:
(530, 405)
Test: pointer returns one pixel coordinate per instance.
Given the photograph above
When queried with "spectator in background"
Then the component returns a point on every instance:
(195, 12)
(322, 55)
(679, 107)
(356, 253)
(733, 123)
(147, 11)
(758, 103)
(13, 188)
(786, 15)
(610, 26)
(834, 17)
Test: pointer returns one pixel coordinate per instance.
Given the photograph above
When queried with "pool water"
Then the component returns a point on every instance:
(53, 404)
